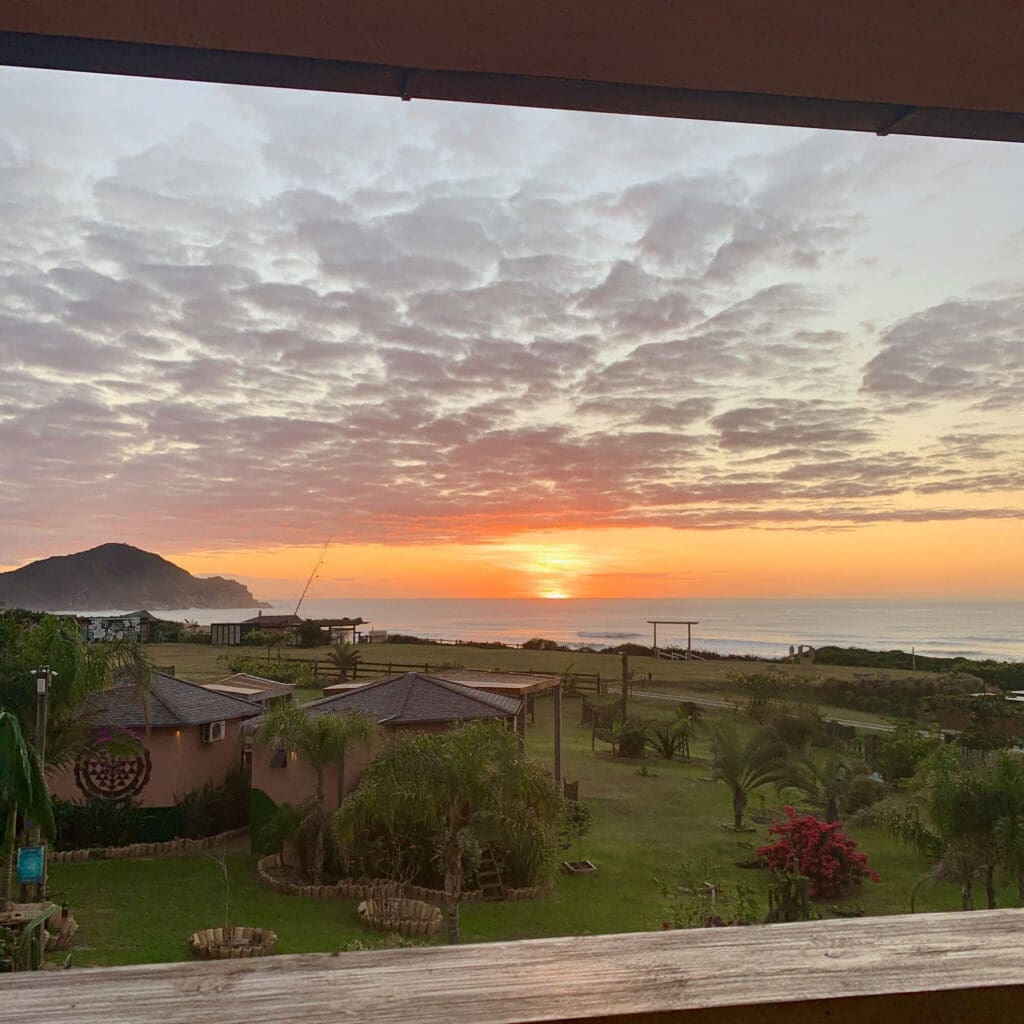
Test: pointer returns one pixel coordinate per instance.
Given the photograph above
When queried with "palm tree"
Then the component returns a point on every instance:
(745, 767)
(345, 657)
(458, 785)
(321, 740)
(22, 790)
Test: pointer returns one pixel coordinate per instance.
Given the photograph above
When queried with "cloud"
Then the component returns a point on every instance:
(969, 351)
(254, 318)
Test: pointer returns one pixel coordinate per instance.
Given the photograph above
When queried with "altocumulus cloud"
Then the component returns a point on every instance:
(257, 318)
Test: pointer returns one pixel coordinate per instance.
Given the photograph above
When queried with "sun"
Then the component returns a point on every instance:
(554, 595)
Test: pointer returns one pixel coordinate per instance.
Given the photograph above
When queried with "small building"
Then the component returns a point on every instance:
(188, 736)
(331, 631)
(138, 627)
(254, 688)
(412, 702)
(227, 634)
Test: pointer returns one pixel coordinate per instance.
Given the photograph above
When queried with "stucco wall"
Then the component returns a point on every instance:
(296, 782)
(181, 761)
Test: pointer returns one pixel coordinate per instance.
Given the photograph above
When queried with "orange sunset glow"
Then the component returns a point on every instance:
(887, 560)
(506, 353)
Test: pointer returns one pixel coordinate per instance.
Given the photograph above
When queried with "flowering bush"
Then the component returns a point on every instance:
(818, 850)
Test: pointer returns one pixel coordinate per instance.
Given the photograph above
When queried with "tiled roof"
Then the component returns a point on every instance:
(172, 702)
(415, 697)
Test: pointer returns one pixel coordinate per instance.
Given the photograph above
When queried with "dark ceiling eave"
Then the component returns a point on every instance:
(149, 60)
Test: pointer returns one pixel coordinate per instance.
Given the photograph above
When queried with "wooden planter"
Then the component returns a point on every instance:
(401, 916)
(231, 944)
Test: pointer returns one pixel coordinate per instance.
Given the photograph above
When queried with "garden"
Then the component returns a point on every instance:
(689, 817)
(654, 823)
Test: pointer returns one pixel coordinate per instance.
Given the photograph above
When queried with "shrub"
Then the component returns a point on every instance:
(797, 728)
(98, 822)
(215, 807)
(819, 851)
(298, 672)
(670, 739)
(628, 738)
(540, 644)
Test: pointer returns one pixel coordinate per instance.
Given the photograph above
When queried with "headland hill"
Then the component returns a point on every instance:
(116, 576)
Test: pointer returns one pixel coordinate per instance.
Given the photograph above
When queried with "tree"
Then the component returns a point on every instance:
(763, 690)
(22, 791)
(745, 767)
(79, 671)
(321, 740)
(899, 754)
(345, 657)
(462, 786)
(968, 815)
(268, 639)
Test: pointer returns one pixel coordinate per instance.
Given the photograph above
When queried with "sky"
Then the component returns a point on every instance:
(490, 352)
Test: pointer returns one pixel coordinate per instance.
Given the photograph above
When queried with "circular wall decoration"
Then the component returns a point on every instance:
(112, 778)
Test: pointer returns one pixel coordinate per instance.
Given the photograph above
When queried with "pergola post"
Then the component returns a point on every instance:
(521, 723)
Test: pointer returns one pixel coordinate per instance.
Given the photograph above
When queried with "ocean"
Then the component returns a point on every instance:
(761, 627)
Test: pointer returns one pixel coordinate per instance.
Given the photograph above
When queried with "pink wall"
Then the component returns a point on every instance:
(181, 761)
(296, 782)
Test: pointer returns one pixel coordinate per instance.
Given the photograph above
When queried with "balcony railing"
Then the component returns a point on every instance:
(927, 968)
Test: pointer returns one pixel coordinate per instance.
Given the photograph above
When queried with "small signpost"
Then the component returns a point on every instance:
(30, 865)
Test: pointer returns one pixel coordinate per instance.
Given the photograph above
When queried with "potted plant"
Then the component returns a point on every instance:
(226, 942)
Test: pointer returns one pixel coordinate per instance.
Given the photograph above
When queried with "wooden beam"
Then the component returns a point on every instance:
(928, 967)
(286, 71)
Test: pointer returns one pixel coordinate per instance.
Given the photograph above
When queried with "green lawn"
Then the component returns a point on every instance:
(702, 679)
(142, 911)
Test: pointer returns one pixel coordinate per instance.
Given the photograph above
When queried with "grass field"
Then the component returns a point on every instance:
(714, 680)
(643, 827)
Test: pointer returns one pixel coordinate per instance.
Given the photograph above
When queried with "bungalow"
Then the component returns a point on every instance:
(188, 736)
(412, 702)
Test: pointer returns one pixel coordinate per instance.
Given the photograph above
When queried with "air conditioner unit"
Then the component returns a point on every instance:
(213, 731)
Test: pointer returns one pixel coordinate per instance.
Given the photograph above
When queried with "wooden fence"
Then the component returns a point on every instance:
(326, 672)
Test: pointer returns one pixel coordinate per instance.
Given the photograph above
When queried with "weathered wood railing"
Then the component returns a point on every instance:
(925, 968)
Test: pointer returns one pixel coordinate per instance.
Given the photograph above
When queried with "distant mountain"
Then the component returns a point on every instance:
(116, 576)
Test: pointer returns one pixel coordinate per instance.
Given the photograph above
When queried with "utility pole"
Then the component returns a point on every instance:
(44, 676)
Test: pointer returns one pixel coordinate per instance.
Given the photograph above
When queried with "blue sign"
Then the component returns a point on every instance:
(30, 865)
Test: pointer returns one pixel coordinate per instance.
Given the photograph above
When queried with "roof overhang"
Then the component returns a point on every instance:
(940, 69)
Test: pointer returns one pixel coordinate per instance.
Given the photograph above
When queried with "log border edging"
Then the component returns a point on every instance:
(375, 888)
(171, 848)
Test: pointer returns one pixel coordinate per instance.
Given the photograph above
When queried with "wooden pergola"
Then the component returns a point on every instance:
(688, 623)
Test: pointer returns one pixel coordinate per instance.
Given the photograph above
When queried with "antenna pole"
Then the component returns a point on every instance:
(312, 575)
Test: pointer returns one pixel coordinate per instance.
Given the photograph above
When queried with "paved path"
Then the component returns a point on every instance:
(730, 705)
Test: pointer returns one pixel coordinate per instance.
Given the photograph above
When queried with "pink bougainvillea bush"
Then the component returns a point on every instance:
(820, 851)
